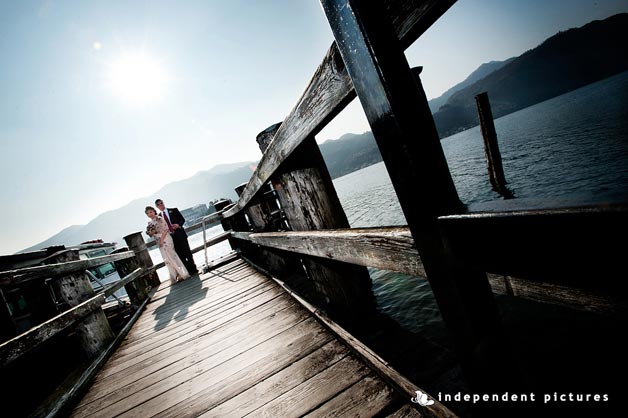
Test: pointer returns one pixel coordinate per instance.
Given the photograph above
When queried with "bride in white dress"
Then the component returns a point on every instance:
(158, 229)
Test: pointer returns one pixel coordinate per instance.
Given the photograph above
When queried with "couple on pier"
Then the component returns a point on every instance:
(167, 229)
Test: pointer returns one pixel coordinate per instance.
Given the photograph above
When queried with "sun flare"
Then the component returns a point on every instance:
(137, 79)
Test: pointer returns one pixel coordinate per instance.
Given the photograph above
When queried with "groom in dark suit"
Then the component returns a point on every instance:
(175, 222)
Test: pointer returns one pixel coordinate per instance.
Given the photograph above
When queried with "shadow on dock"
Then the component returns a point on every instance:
(180, 298)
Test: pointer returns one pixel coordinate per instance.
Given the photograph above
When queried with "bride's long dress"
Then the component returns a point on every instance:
(176, 268)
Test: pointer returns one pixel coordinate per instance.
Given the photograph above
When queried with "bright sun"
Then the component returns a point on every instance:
(137, 79)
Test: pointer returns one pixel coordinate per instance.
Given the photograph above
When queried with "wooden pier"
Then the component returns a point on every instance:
(234, 343)
(237, 342)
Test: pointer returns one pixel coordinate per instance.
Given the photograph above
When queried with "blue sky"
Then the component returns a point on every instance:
(79, 137)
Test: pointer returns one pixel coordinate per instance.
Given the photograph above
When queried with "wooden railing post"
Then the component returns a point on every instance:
(309, 201)
(136, 243)
(279, 263)
(254, 212)
(94, 331)
(397, 110)
(138, 288)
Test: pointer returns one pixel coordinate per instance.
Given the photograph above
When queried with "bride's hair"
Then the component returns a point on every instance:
(149, 208)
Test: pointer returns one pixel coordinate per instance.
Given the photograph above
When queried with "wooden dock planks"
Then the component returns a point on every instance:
(245, 348)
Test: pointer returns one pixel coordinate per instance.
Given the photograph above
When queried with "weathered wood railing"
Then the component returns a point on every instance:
(85, 314)
(73, 287)
(564, 256)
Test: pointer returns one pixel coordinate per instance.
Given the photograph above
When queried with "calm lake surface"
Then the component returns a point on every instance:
(574, 146)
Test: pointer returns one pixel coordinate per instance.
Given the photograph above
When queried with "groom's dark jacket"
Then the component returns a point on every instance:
(176, 218)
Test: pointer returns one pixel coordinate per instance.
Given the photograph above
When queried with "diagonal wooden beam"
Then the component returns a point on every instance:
(331, 90)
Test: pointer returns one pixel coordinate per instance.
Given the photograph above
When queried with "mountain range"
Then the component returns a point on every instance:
(564, 62)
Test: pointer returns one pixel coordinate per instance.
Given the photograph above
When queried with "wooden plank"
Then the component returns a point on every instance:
(406, 411)
(155, 341)
(65, 396)
(331, 90)
(394, 249)
(149, 344)
(20, 276)
(194, 370)
(208, 281)
(316, 390)
(144, 349)
(273, 375)
(554, 294)
(367, 398)
(399, 382)
(178, 294)
(194, 302)
(245, 367)
(201, 345)
(14, 348)
(567, 246)
(150, 352)
(390, 248)
(164, 288)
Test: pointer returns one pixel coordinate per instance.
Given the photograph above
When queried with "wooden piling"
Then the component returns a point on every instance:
(254, 212)
(397, 110)
(138, 288)
(491, 147)
(279, 263)
(75, 288)
(234, 223)
(136, 243)
(309, 201)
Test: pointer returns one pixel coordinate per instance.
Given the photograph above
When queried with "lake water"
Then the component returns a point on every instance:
(574, 146)
(571, 147)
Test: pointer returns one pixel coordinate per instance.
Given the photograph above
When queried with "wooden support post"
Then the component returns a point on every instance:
(138, 288)
(397, 110)
(491, 147)
(136, 243)
(94, 331)
(234, 223)
(309, 201)
(279, 263)
(254, 212)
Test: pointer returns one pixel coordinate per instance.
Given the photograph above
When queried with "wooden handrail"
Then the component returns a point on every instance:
(388, 248)
(23, 343)
(110, 290)
(20, 276)
(330, 91)
(70, 390)
(393, 248)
